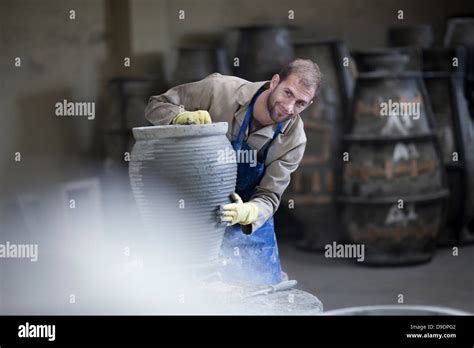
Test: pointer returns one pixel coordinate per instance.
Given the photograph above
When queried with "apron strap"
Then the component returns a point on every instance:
(245, 125)
(248, 116)
(267, 145)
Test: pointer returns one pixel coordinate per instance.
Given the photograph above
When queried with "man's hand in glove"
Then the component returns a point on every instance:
(239, 212)
(192, 117)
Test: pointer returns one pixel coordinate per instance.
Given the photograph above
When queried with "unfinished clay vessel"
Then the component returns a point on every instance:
(180, 176)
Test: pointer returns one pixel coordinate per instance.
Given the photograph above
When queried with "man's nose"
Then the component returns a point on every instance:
(290, 108)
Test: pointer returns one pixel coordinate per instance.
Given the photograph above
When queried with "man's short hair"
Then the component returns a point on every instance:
(307, 71)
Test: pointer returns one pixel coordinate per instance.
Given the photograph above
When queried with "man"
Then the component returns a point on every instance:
(263, 117)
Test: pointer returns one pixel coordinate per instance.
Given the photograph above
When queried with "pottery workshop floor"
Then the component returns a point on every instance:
(446, 280)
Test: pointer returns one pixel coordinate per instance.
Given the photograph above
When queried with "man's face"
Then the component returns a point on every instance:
(287, 98)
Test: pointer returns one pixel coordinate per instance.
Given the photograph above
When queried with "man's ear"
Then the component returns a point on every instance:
(275, 81)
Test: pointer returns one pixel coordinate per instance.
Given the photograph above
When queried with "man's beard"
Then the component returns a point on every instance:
(273, 111)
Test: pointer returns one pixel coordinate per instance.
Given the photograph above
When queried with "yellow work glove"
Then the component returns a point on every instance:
(192, 117)
(239, 212)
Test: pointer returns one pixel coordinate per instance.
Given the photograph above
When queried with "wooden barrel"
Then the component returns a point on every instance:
(444, 78)
(312, 185)
(460, 32)
(392, 188)
(262, 51)
(195, 62)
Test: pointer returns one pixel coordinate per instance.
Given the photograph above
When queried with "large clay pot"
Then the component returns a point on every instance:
(179, 177)
(195, 62)
(444, 78)
(262, 51)
(392, 181)
(460, 32)
(312, 185)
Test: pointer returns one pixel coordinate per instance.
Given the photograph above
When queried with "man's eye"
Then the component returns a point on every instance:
(288, 93)
(301, 105)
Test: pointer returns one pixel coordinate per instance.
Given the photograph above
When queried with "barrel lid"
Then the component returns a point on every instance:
(179, 131)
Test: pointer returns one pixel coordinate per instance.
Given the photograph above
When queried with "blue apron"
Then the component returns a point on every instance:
(254, 257)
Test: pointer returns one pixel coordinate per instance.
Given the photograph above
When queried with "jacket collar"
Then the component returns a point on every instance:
(244, 96)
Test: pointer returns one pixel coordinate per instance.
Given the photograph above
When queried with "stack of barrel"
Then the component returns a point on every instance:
(392, 182)
(460, 33)
(448, 79)
(443, 74)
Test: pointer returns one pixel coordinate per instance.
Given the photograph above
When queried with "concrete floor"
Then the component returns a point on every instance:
(445, 281)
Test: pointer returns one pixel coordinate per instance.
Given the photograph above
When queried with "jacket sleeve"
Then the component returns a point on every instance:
(161, 109)
(268, 193)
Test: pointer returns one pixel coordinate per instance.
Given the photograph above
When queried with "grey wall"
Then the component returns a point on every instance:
(155, 26)
(60, 58)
